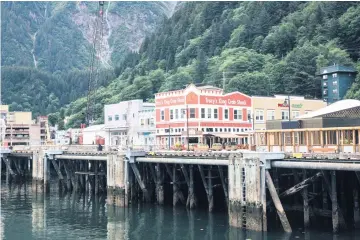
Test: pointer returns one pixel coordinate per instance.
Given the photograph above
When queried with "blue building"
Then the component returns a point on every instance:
(336, 81)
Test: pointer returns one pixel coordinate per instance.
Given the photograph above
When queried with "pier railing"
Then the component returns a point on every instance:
(310, 140)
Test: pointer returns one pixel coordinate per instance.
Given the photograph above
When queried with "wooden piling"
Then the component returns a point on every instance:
(356, 207)
(192, 196)
(210, 188)
(280, 210)
(96, 178)
(159, 184)
(175, 187)
(335, 210)
(306, 203)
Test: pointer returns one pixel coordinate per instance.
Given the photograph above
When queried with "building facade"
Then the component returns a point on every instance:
(19, 118)
(336, 81)
(128, 123)
(4, 110)
(62, 137)
(277, 108)
(92, 134)
(22, 134)
(198, 114)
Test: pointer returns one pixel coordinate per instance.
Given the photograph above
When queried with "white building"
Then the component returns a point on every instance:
(74, 134)
(2, 131)
(62, 137)
(130, 123)
(90, 134)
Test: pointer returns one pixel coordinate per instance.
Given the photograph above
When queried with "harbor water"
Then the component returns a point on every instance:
(29, 215)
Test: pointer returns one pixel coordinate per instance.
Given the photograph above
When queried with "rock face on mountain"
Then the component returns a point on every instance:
(57, 36)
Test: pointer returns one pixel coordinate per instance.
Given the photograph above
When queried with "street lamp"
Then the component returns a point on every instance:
(287, 103)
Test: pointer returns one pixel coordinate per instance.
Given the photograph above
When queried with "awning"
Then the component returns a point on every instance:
(226, 135)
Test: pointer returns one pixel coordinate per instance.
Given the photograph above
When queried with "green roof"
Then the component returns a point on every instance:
(336, 68)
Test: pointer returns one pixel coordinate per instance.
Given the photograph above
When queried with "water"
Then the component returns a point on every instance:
(26, 215)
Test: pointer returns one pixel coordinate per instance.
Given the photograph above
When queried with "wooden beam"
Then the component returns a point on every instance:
(159, 185)
(57, 169)
(282, 215)
(222, 178)
(203, 179)
(140, 181)
(186, 175)
(8, 166)
(298, 187)
(175, 187)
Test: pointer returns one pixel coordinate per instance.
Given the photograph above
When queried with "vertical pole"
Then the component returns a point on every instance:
(187, 126)
(169, 137)
(335, 210)
(289, 108)
(306, 204)
(324, 195)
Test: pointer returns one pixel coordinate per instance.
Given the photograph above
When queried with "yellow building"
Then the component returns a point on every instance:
(276, 108)
(19, 118)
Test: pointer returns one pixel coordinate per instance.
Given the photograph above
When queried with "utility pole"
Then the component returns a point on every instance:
(187, 126)
(289, 107)
(169, 136)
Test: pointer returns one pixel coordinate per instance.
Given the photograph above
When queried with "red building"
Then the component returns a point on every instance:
(209, 115)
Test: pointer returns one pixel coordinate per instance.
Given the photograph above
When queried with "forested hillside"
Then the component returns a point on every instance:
(45, 47)
(259, 48)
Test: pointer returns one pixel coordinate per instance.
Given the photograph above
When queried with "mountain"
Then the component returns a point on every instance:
(46, 47)
(259, 48)
(57, 36)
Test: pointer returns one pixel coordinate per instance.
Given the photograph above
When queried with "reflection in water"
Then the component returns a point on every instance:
(31, 215)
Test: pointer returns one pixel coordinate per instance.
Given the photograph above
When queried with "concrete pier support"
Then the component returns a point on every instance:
(245, 205)
(38, 171)
(116, 180)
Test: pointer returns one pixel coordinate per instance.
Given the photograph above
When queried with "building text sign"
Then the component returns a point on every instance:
(292, 105)
(171, 101)
(235, 99)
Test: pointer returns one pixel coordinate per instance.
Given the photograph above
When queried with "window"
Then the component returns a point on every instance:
(203, 113)
(148, 121)
(334, 83)
(220, 129)
(225, 129)
(209, 113)
(325, 77)
(183, 112)
(176, 113)
(226, 114)
(325, 84)
(171, 114)
(295, 114)
(334, 90)
(109, 118)
(142, 122)
(259, 115)
(238, 114)
(215, 113)
(216, 129)
(124, 117)
(192, 112)
(151, 121)
(285, 115)
(334, 75)
(162, 113)
(116, 117)
(270, 115)
(229, 129)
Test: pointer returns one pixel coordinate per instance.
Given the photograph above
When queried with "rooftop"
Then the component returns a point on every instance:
(348, 108)
(336, 68)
